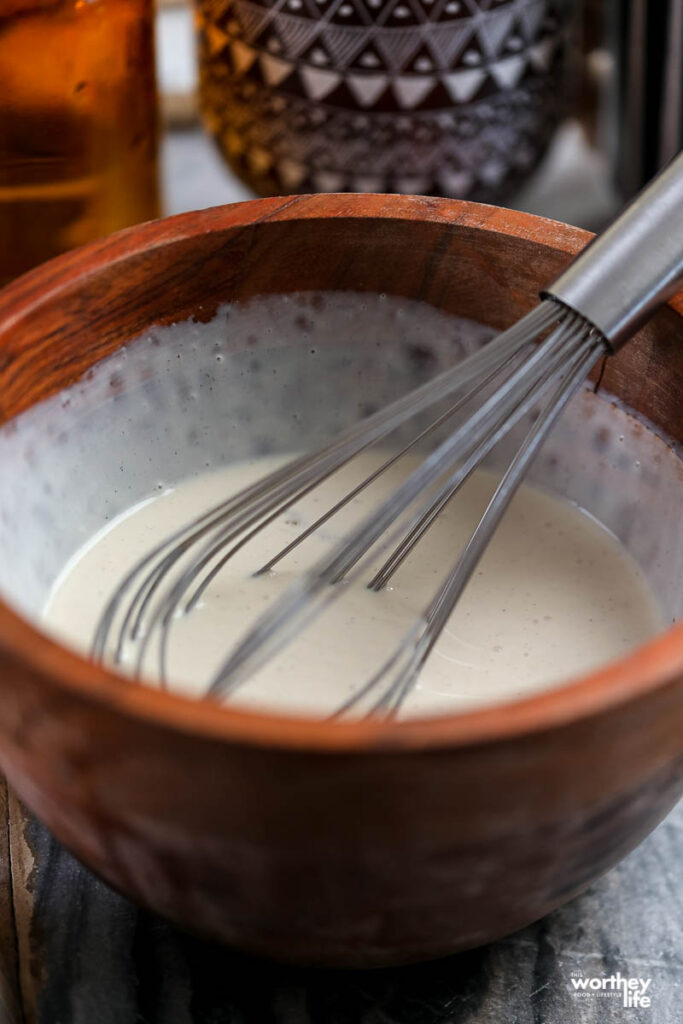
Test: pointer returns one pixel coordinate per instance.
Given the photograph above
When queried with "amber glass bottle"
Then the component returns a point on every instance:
(77, 124)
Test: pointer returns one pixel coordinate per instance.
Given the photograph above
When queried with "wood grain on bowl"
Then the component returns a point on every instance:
(334, 843)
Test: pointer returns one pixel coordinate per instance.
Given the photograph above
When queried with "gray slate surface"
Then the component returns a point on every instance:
(106, 962)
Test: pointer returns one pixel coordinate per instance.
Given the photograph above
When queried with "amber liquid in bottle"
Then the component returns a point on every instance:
(77, 125)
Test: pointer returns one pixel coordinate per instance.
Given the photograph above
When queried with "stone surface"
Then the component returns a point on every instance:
(87, 956)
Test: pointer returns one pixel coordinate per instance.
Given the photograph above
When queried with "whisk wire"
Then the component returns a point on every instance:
(308, 595)
(591, 309)
(418, 642)
(282, 486)
(171, 580)
(342, 503)
(507, 420)
(364, 484)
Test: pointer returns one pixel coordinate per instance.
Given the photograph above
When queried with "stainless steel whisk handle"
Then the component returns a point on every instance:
(634, 266)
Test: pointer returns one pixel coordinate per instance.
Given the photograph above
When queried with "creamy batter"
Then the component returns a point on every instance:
(555, 595)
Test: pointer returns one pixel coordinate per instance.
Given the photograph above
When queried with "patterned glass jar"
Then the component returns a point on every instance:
(443, 97)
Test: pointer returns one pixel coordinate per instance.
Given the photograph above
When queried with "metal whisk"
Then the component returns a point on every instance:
(589, 312)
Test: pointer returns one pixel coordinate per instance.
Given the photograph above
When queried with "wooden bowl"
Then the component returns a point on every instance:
(345, 843)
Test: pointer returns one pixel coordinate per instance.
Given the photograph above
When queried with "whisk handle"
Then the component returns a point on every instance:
(635, 265)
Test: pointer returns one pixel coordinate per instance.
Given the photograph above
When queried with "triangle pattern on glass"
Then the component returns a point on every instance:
(216, 41)
(212, 8)
(412, 185)
(368, 59)
(239, 7)
(293, 86)
(493, 171)
(437, 99)
(508, 72)
(318, 54)
(328, 181)
(291, 173)
(252, 19)
(553, 18)
(541, 55)
(456, 183)
(494, 30)
(422, 62)
(367, 89)
(454, 10)
(448, 43)
(490, 5)
(372, 8)
(399, 14)
(515, 42)
(351, 13)
(398, 47)
(273, 69)
(426, 8)
(259, 160)
(319, 83)
(296, 34)
(462, 85)
(342, 97)
(342, 44)
(243, 57)
(472, 55)
(317, 8)
(209, 10)
(531, 18)
(410, 90)
(268, 40)
(225, 19)
(368, 183)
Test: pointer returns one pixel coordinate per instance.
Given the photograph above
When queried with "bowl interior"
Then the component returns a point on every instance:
(251, 369)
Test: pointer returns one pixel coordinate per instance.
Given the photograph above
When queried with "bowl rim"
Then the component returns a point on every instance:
(648, 668)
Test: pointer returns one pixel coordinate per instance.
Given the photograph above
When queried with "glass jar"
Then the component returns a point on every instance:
(77, 124)
(449, 97)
